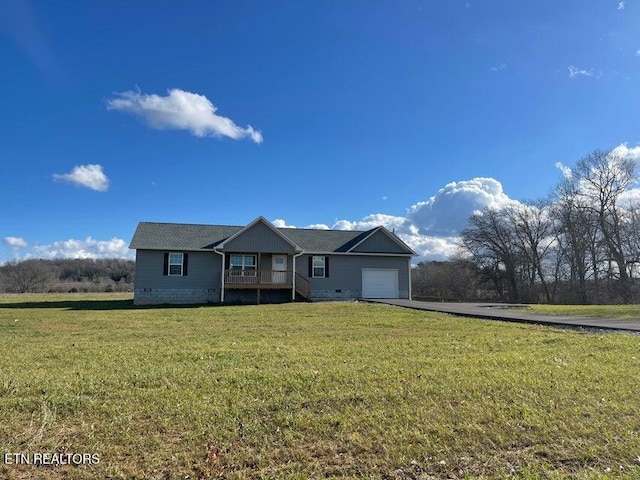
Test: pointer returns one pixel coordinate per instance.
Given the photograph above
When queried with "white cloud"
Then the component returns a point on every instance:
(446, 213)
(318, 226)
(621, 5)
(432, 248)
(280, 223)
(87, 248)
(373, 220)
(90, 176)
(575, 71)
(629, 198)
(498, 68)
(181, 110)
(632, 153)
(16, 242)
(566, 171)
(431, 227)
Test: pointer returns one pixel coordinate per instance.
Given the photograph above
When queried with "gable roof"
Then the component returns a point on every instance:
(194, 237)
(266, 223)
(391, 237)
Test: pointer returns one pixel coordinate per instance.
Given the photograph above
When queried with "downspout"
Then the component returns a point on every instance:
(221, 275)
(293, 277)
(410, 273)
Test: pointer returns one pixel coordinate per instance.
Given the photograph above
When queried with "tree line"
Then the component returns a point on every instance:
(579, 245)
(67, 275)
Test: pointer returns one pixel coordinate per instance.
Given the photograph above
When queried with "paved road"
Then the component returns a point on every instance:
(511, 313)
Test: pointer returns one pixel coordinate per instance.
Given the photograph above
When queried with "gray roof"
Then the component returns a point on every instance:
(181, 236)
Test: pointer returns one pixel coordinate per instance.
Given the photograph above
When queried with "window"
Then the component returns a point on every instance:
(243, 264)
(319, 269)
(175, 263)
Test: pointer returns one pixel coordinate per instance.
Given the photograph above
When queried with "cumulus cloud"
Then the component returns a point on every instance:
(373, 220)
(318, 226)
(87, 248)
(446, 213)
(432, 227)
(498, 68)
(632, 153)
(621, 5)
(280, 223)
(181, 110)
(575, 72)
(90, 176)
(16, 242)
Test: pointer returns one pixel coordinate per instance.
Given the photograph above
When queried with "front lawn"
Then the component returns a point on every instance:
(628, 312)
(342, 390)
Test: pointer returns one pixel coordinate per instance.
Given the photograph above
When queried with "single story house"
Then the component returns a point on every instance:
(261, 263)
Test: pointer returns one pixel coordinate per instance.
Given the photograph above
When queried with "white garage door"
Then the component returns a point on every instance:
(379, 283)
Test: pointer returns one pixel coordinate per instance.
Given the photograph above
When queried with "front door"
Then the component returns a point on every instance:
(279, 269)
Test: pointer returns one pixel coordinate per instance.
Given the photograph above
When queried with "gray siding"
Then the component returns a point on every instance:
(200, 285)
(379, 242)
(259, 238)
(345, 274)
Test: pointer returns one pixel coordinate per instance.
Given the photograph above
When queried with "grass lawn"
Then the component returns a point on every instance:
(301, 391)
(631, 312)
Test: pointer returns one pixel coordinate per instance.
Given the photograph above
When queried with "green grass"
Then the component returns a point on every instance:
(323, 390)
(628, 312)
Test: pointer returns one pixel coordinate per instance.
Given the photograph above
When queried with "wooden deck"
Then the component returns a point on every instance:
(266, 279)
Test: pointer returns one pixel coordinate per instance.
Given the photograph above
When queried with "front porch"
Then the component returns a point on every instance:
(261, 258)
(267, 279)
(258, 279)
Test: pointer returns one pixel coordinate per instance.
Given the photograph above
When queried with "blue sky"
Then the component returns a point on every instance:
(342, 114)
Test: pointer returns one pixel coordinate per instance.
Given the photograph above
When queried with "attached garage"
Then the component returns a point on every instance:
(379, 283)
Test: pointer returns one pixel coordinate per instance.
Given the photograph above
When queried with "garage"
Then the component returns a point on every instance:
(379, 283)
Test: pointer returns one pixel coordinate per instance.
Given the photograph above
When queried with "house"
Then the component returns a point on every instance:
(260, 263)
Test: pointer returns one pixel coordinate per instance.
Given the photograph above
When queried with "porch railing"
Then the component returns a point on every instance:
(255, 278)
(303, 286)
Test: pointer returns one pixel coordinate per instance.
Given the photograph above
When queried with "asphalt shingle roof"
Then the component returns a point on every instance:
(163, 236)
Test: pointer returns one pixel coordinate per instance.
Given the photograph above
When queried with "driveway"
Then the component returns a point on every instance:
(513, 313)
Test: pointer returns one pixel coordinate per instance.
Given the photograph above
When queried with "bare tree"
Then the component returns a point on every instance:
(27, 276)
(451, 280)
(577, 239)
(600, 178)
(533, 234)
(491, 242)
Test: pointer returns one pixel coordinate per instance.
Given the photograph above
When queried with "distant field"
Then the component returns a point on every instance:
(340, 390)
(631, 312)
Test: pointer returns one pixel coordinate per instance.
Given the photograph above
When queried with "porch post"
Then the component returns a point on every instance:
(293, 280)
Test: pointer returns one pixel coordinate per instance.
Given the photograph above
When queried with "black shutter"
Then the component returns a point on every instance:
(326, 267)
(166, 263)
(310, 267)
(185, 263)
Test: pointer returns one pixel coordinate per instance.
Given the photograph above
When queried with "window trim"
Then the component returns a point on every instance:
(323, 267)
(243, 270)
(170, 264)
